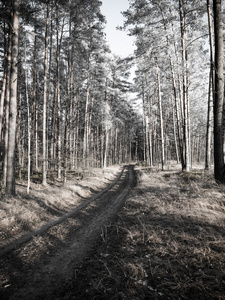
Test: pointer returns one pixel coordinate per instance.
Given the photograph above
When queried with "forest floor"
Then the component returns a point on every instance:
(166, 242)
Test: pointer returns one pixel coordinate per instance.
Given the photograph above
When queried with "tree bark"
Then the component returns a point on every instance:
(86, 116)
(3, 91)
(219, 94)
(161, 121)
(178, 132)
(10, 183)
(7, 101)
(36, 131)
(44, 153)
(150, 125)
(144, 127)
(28, 125)
(185, 89)
(34, 103)
(211, 88)
(58, 90)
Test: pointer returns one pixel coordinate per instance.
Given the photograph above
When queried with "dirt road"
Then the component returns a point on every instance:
(43, 260)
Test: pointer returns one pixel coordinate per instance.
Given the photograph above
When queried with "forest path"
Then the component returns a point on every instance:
(15, 244)
(66, 241)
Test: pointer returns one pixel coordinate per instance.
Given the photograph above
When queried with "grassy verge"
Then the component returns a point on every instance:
(25, 213)
(168, 242)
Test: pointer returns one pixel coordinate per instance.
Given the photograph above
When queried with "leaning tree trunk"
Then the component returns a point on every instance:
(219, 94)
(10, 182)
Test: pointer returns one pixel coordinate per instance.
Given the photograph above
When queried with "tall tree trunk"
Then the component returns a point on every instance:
(148, 133)
(86, 116)
(144, 127)
(150, 125)
(10, 183)
(28, 125)
(90, 129)
(70, 96)
(36, 131)
(68, 118)
(178, 122)
(58, 91)
(77, 130)
(219, 94)
(175, 137)
(19, 138)
(7, 101)
(3, 82)
(34, 102)
(102, 135)
(211, 92)
(106, 146)
(51, 100)
(209, 125)
(185, 88)
(44, 153)
(180, 142)
(161, 121)
(116, 146)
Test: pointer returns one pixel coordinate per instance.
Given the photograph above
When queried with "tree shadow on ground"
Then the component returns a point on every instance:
(146, 254)
(22, 267)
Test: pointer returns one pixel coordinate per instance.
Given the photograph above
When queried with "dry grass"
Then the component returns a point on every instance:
(167, 243)
(22, 214)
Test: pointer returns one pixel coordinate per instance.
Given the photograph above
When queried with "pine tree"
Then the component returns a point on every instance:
(10, 181)
(219, 94)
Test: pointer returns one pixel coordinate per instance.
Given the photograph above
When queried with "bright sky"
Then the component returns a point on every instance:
(119, 42)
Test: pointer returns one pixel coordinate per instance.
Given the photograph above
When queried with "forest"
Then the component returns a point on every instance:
(112, 173)
(66, 102)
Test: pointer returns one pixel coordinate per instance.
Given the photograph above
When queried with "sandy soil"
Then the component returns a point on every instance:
(167, 242)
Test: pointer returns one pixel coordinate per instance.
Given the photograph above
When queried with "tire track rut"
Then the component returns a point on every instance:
(46, 276)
